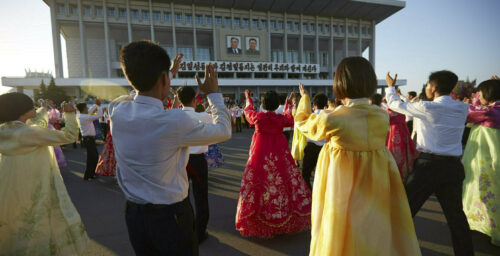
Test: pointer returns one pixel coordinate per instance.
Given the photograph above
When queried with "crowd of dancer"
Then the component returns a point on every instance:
(359, 168)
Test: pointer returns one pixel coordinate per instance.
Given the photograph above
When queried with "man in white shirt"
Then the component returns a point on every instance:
(287, 131)
(99, 133)
(197, 166)
(87, 128)
(152, 150)
(312, 148)
(438, 168)
(237, 116)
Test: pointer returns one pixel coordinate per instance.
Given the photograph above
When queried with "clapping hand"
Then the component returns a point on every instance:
(389, 80)
(290, 97)
(176, 63)
(211, 84)
(172, 91)
(494, 77)
(247, 93)
(43, 103)
(302, 90)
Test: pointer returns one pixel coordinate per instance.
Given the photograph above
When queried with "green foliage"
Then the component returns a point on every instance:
(52, 92)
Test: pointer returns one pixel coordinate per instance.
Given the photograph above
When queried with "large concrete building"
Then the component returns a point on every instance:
(257, 44)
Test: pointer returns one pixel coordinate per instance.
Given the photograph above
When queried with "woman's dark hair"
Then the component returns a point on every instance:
(270, 101)
(490, 90)
(320, 100)
(13, 105)
(186, 94)
(199, 108)
(143, 62)
(354, 78)
(444, 81)
(376, 99)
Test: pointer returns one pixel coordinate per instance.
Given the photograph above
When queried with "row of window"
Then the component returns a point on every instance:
(219, 20)
(293, 57)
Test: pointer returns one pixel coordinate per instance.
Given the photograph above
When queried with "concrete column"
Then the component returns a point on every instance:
(238, 91)
(301, 41)
(326, 91)
(346, 39)
(250, 14)
(269, 74)
(56, 40)
(316, 46)
(106, 39)
(83, 41)
(232, 18)
(360, 46)
(151, 21)
(310, 91)
(129, 25)
(331, 51)
(372, 45)
(195, 46)
(214, 35)
(285, 43)
(174, 40)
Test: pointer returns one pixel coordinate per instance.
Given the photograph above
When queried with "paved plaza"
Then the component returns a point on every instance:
(100, 203)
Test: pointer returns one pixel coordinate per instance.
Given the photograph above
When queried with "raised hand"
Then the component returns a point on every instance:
(172, 91)
(247, 93)
(389, 80)
(494, 77)
(290, 97)
(211, 84)
(174, 68)
(302, 90)
(43, 103)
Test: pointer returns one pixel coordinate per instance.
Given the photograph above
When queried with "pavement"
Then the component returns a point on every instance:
(101, 205)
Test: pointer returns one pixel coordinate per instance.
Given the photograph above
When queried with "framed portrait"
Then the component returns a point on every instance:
(233, 44)
(252, 45)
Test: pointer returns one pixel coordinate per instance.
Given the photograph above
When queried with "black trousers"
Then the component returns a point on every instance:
(238, 124)
(443, 176)
(200, 192)
(311, 153)
(92, 156)
(161, 229)
(287, 135)
(409, 124)
(105, 129)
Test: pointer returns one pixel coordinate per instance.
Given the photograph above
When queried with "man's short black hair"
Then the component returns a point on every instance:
(252, 39)
(282, 97)
(143, 62)
(490, 90)
(270, 101)
(376, 99)
(444, 81)
(81, 106)
(186, 94)
(13, 105)
(412, 93)
(320, 100)
(235, 38)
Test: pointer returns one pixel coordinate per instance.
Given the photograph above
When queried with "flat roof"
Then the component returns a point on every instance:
(377, 10)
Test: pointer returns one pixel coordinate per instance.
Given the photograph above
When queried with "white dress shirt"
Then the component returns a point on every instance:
(152, 146)
(440, 122)
(316, 142)
(86, 122)
(405, 99)
(202, 117)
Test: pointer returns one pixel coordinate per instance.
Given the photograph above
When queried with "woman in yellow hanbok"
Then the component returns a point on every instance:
(37, 216)
(359, 202)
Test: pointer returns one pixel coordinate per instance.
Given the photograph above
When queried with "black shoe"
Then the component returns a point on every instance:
(202, 238)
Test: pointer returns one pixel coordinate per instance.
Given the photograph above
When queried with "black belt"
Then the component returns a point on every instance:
(438, 157)
(155, 206)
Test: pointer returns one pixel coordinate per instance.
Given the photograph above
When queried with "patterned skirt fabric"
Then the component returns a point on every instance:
(481, 192)
(274, 198)
(106, 166)
(214, 157)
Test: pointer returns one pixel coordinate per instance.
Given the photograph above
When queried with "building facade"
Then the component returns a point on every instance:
(257, 44)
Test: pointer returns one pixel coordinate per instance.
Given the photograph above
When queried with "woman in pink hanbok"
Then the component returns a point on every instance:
(54, 117)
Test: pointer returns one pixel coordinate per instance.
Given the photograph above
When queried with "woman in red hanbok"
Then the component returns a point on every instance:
(106, 166)
(274, 198)
(400, 144)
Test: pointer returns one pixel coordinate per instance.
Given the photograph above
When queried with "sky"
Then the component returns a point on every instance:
(427, 35)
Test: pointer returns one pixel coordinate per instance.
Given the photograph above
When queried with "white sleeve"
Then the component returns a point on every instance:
(413, 109)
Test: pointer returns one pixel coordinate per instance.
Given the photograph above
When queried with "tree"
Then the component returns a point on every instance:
(42, 93)
(55, 93)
